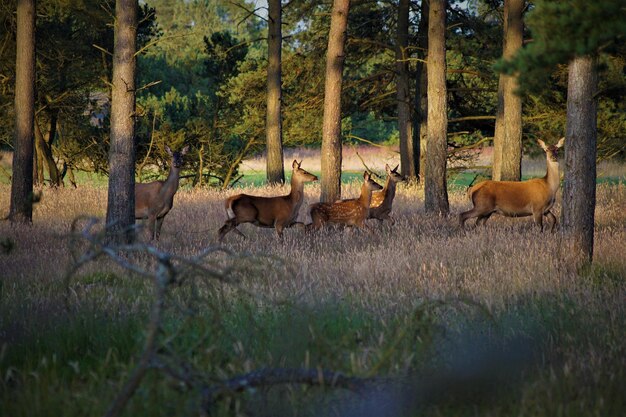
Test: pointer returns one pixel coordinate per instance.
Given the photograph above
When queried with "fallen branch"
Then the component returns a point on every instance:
(280, 376)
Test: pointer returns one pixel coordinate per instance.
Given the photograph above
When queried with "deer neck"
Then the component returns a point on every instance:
(297, 192)
(390, 189)
(365, 199)
(171, 183)
(552, 175)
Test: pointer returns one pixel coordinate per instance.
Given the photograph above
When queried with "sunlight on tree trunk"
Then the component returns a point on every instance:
(579, 189)
(331, 131)
(435, 191)
(21, 210)
(507, 164)
(275, 167)
(121, 199)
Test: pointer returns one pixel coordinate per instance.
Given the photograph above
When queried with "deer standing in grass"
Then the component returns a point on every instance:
(277, 212)
(383, 200)
(351, 212)
(153, 200)
(517, 199)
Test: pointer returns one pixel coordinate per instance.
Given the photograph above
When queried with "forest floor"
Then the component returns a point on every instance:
(494, 321)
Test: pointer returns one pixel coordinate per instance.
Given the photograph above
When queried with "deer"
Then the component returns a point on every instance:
(153, 200)
(278, 212)
(350, 212)
(383, 200)
(534, 197)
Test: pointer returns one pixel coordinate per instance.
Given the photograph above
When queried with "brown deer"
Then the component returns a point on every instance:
(351, 212)
(277, 212)
(383, 200)
(517, 199)
(153, 200)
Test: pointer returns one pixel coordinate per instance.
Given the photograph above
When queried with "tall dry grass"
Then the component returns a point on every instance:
(360, 294)
(420, 257)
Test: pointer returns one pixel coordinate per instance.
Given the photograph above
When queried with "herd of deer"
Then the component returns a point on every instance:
(509, 198)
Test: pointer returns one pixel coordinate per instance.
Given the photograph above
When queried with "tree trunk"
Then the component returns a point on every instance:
(408, 160)
(508, 132)
(579, 190)
(420, 125)
(331, 131)
(44, 154)
(275, 167)
(436, 193)
(121, 199)
(21, 208)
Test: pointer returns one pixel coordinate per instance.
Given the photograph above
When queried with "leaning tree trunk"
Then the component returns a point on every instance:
(420, 125)
(408, 162)
(508, 133)
(21, 208)
(44, 154)
(435, 187)
(121, 199)
(275, 168)
(331, 130)
(579, 190)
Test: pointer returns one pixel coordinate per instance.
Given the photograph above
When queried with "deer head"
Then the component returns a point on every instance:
(393, 174)
(300, 174)
(177, 157)
(551, 150)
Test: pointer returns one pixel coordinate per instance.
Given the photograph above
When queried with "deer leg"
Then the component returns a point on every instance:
(482, 219)
(279, 229)
(474, 212)
(151, 225)
(159, 223)
(538, 217)
(387, 216)
(229, 225)
(554, 222)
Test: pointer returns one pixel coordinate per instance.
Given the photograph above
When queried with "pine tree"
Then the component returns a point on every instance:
(21, 210)
(121, 198)
(274, 128)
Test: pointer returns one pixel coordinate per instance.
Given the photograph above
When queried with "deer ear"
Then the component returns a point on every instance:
(561, 142)
(542, 144)
(396, 168)
(168, 150)
(295, 164)
(366, 176)
(185, 150)
(387, 169)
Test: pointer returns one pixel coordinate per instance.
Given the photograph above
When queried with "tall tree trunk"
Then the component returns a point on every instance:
(508, 132)
(420, 119)
(408, 162)
(579, 190)
(275, 167)
(21, 208)
(331, 131)
(436, 193)
(121, 199)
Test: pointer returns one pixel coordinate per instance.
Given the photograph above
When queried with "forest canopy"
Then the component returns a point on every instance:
(202, 67)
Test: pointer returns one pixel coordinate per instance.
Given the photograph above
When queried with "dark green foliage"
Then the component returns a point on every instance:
(564, 29)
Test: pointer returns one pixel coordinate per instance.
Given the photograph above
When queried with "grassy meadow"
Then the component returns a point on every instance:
(495, 321)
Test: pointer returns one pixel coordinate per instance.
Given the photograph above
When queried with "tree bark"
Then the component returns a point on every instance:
(44, 154)
(331, 131)
(21, 207)
(408, 161)
(121, 199)
(508, 132)
(436, 193)
(579, 190)
(420, 125)
(274, 129)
